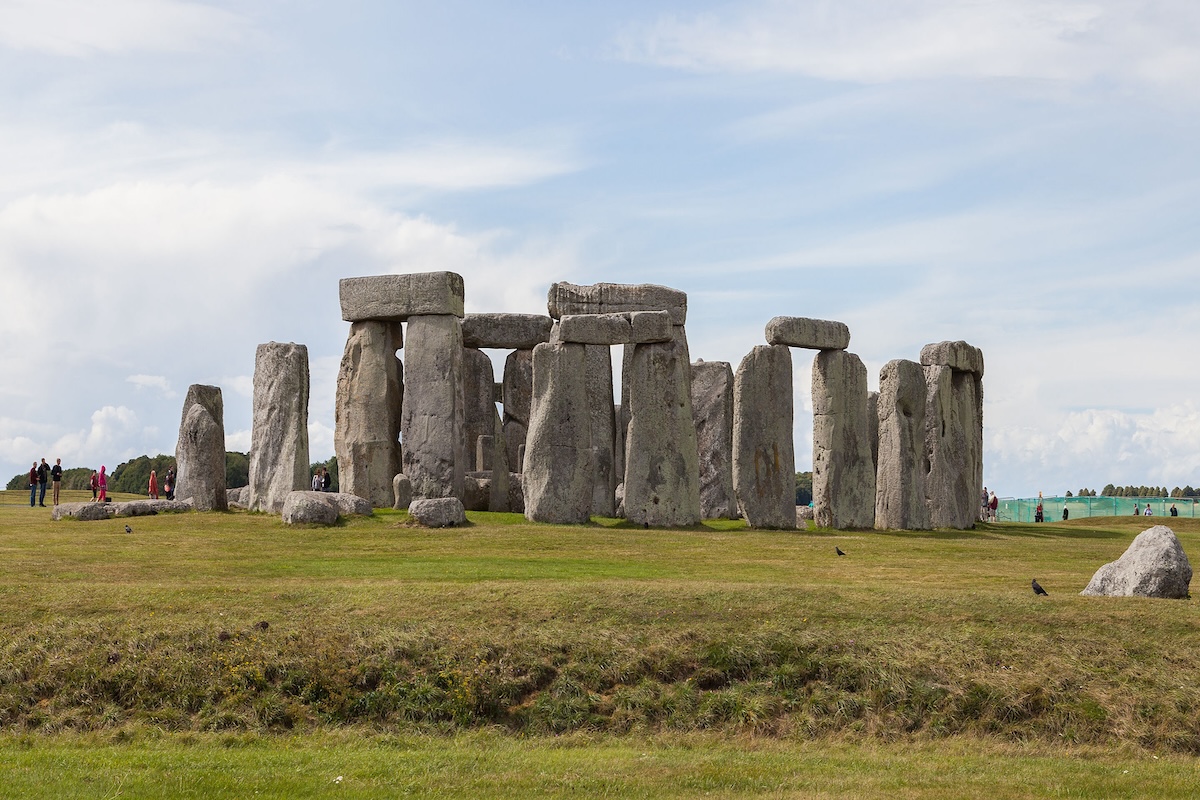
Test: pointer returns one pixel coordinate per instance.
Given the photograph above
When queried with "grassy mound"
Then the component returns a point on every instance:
(234, 622)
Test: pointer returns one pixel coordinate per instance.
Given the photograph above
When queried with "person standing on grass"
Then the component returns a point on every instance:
(1148, 512)
(169, 484)
(33, 485)
(94, 483)
(993, 507)
(152, 489)
(56, 478)
(43, 479)
(102, 483)
(1174, 510)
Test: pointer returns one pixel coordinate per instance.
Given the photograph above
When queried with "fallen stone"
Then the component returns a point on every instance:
(349, 504)
(311, 508)
(956, 355)
(843, 473)
(438, 512)
(811, 334)
(712, 412)
(367, 413)
(764, 469)
(200, 449)
(402, 490)
(144, 508)
(506, 331)
(477, 491)
(1154, 565)
(607, 298)
(803, 515)
(87, 512)
(559, 462)
(279, 433)
(239, 497)
(435, 445)
(900, 477)
(395, 298)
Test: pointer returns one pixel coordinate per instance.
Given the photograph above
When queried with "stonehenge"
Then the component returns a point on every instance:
(420, 416)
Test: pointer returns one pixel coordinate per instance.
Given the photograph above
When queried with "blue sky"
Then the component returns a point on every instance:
(184, 180)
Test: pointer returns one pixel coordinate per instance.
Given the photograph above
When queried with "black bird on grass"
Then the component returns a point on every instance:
(128, 529)
(838, 550)
(1037, 589)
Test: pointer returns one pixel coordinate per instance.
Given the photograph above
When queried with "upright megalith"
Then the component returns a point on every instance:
(433, 424)
(200, 449)
(485, 445)
(843, 471)
(900, 476)
(518, 397)
(279, 436)
(953, 433)
(560, 468)
(662, 469)
(367, 412)
(712, 412)
(601, 427)
(764, 469)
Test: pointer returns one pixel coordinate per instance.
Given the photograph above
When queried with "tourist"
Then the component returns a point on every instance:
(33, 485)
(94, 482)
(43, 479)
(1174, 510)
(1148, 512)
(1066, 513)
(1137, 510)
(152, 489)
(994, 506)
(326, 481)
(102, 483)
(56, 478)
(1039, 514)
(984, 506)
(316, 481)
(169, 484)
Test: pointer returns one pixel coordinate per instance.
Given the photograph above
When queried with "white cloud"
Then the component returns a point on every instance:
(870, 42)
(152, 382)
(83, 28)
(320, 441)
(237, 441)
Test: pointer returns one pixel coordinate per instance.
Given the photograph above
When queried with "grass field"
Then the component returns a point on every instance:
(227, 654)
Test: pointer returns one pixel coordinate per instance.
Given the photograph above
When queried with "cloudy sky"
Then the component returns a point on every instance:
(183, 180)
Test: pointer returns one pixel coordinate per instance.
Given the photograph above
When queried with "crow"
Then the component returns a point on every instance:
(838, 550)
(128, 529)
(1037, 588)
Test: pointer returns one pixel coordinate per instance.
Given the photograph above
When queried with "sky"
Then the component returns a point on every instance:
(181, 181)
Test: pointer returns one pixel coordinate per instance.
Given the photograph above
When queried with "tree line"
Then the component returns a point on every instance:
(1138, 491)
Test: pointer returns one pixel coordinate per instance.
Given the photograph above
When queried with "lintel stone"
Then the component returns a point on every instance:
(395, 298)
(639, 327)
(608, 298)
(958, 356)
(810, 334)
(506, 331)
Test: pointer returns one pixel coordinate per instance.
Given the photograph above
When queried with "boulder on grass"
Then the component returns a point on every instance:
(1153, 566)
(89, 512)
(402, 489)
(145, 508)
(313, 508)
(349, 504)
(438, 512)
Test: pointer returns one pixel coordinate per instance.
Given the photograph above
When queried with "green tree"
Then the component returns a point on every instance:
(134, 476)
(804, 494)
(237, 469)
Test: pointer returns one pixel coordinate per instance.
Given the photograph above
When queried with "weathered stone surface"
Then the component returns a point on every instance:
(712, 411)
(279, 434)
(349, 504)
(873, 422)
(803, 515)
(88, 512)
(312, 508)
(900, 477)
(764, 461)
(518, 394)
(477, 491)
(483, 428)
(435, 444)
(438, 512)
(843, 473)
(370, 398)
(239, 497)
(642, 327)
(662, 469)
(401, 490)
(516, 493)
(145, 508)
(953, 446)
(200, 449)
(395, 298)
(811, 334)
(607, 298)
(601, 426)
(956, 355)
(559, 461)
(1153, 566)
(620, 426)
(506, 331)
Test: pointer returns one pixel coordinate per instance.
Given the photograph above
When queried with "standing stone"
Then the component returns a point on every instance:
(433, 426)
(953, 446)
(559, 461)
(279, 436)
(900, 478)
(873, 421)
(200, 449)
(712, 411)
(482, 424)
(764, 461)
(602, 424)
(518, 396)
(843, 477)
(662, 469)
(370, 394)
(402, 490)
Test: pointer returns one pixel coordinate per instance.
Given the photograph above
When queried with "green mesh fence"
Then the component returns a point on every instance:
(1025, 509)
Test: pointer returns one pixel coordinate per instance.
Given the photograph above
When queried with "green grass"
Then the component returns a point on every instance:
(923, 659)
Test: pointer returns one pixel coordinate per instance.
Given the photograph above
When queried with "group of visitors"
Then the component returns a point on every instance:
(988, 506)
(1138, 511)
(321, 481)
(39, 476)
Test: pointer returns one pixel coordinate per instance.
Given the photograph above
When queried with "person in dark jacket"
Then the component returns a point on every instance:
(56, 478)
(33, 485)
(43, 472)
